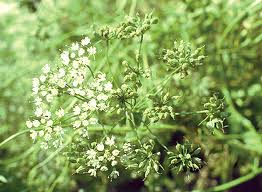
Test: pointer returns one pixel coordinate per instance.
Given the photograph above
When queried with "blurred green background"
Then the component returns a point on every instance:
(32, 33)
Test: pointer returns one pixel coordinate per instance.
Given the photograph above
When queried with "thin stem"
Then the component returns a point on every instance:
(233, 183)
(14, 136)
(191, 112)
(92, 73)
(139, 51)
(151, 132)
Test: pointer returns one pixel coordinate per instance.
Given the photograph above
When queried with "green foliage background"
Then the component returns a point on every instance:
(32, 32)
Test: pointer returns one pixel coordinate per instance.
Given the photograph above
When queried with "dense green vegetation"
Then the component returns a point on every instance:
(185, 106)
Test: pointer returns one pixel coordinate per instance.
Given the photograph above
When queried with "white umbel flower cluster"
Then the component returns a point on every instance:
(71, 81)
(103, 157)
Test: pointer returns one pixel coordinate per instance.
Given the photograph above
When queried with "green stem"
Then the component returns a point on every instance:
(14, 136)
(139, 51)
(232, 183)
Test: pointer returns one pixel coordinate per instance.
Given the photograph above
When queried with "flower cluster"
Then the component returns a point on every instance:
(72, 81)
(143, 159)
(186, 158)
(127, 94)
(182, 58)
(161, 109)
(97, 158)
(129, 28)
(215, 114)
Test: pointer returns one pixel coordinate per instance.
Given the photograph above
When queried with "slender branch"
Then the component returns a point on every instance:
(232, 183)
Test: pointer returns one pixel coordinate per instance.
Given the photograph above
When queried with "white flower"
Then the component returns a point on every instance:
(83, 116)
(49, 123)
(42, 78)
(114, 174)
(43, 121)
(114, 163)
(29, 124)
(71, 91)
(91, 50)
(41, 133)
(49, 129)
(36, 123)
(92, 104)
(44, 145)
(80, 92)
(77, 110)
(43, 93)
(38, 101)
(35, 90)
(108, 86)
(75, 46)
(84, 133)
(65, 57)
(101, 77)
(35, 82)
(102, 97)
(38, 112)
(100, 147)
(58, 129)
(89, 93)
(47, 114)
(47, 137)
(81, 52)
(102, 106)
(61, 72)
(93, 121)
(46, 69)
(33, 134)
(85, 41)
(75, 64)
(115, 152)
(60, 113)
(92, 172)
(91, 154)
(103, 168)
(49, 98)
(85, 123)
(110, 141)
(78, 80)
(77, 124)
(72, 55)
(54, 92)
(61, 83)
(84, 60)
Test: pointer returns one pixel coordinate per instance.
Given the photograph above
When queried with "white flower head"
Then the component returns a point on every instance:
(38, 112)
(100, 147)
(115, 152)
(65, 57)
(35, 82)
(42, 78)
(46, 69)
(91, 50)
(85, 41)
(29, 124)
(75, 46)
(110, 141)
(81, 52)
(77, 110)
(60, 113)
(36, 123)
(77, 124)
(108, 86)
(61, 72)
(33, 134)
(93, 121)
